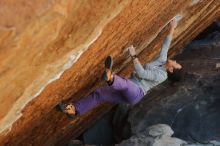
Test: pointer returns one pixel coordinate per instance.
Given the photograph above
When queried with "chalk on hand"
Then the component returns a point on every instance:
(127, 49)
(178, 17)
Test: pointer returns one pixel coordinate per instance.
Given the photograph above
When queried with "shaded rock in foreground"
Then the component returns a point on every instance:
(156, 135)
(160, 135)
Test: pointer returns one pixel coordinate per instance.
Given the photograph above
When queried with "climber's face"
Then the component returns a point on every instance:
(171, 65)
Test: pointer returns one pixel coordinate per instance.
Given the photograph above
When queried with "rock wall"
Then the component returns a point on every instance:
(52, 50)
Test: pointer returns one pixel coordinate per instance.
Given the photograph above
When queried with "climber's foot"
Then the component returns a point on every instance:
(68, 109)
(107, 75)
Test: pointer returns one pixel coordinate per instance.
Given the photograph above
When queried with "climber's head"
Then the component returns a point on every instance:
(174, 70)
(172, 65)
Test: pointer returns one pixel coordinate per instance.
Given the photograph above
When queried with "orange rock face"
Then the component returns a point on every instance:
(52, 50)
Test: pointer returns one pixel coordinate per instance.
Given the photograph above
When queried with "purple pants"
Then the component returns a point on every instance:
(121, 91)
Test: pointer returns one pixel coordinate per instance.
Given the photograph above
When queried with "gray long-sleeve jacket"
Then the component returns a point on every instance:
(152, 73)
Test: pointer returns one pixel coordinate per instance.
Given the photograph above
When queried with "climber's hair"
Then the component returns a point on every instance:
(176, 76)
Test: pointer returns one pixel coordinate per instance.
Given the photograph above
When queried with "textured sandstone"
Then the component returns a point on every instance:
(41, 39)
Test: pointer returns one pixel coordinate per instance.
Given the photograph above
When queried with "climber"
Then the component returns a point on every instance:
(132, 90)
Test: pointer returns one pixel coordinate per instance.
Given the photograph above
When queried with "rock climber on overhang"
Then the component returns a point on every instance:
(129, 90)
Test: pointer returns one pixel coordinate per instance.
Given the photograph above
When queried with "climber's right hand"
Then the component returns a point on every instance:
(132, 51)
(173, 23)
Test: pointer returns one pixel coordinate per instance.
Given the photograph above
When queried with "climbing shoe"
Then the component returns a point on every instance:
(106, 76)
(62, 107)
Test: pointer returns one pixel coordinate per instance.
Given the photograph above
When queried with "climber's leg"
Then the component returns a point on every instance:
(101, 95)
(120, 91)
(131, 92)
